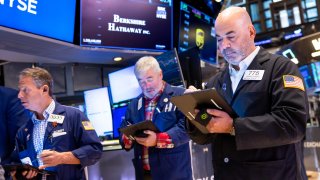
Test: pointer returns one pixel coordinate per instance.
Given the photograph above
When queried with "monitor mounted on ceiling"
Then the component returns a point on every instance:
(197, 29)
(53, 19)
(126, 24)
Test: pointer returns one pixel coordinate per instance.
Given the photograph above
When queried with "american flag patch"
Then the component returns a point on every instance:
(87, 125)
(290, 81)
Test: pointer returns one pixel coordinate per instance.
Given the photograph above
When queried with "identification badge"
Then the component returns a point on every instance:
(26, 160)
(56, 118)
(57, 134)
(254, 75)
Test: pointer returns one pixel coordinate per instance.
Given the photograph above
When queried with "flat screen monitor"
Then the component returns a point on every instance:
(131, 24)
(118, 115)
(307, 76)
(315, 67)
(197, 29)
(170, 66)
(98, 110)
(191, 67)
(53, 19)
(123, 85)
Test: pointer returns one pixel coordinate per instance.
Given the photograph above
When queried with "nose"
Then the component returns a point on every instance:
(20, 95)
(223, 44)
(147, 85)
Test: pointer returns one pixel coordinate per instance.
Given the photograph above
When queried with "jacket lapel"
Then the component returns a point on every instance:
(29, 136)
(225, 86)
(141, 108)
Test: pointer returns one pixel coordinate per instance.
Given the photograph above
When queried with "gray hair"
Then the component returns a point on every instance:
(40, 76)
(145, 63)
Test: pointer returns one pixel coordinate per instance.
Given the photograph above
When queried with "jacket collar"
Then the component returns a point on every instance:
(225, 82)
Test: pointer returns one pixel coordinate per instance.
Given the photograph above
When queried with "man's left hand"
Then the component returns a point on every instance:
(221, 122)
(50, 158)
(149, 141)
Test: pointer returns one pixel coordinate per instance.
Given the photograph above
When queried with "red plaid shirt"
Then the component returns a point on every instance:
(163, 139)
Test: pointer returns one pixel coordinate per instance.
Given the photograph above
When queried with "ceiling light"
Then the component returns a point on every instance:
(117, 59)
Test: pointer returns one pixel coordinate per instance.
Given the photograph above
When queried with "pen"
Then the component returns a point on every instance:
(128, 123)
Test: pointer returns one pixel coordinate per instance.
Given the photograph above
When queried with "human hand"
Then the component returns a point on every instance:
(126, 141)
(13, 175)
(191, 89)
(50, 158)
(149, 141)
(221, 122)
(29, 174)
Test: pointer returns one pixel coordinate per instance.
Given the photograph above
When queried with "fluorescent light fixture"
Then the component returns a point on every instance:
(117, 58)
(315, 54)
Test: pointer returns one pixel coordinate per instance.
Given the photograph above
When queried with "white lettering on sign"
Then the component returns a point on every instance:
(118, 19)
(114, 26)
(29, 6)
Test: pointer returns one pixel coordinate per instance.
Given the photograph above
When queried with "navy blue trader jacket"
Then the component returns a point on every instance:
(165, 163)
(71, 135)
(269, 132)
(12, 116)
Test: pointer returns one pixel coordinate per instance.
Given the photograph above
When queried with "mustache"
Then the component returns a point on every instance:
(149, 89)
(228, 51)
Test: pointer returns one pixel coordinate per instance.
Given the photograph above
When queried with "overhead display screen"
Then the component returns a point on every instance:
(197, 30)
(130, 24)
(53, 19)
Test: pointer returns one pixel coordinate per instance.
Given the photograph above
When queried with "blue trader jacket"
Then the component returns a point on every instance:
(71, 135)
(167, 163)
(12, 116)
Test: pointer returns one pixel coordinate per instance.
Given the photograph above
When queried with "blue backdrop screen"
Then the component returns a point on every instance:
(53, 19)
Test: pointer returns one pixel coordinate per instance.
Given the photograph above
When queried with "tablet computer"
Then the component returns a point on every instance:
(137, 129)
(25, 167)
(203, 99)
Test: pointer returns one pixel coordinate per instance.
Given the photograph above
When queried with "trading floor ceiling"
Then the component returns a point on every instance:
(17, 46)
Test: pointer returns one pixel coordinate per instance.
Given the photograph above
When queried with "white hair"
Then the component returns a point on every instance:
(145, 63)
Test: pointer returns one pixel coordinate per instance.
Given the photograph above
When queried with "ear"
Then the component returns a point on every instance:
(252, 31)
(45, 88)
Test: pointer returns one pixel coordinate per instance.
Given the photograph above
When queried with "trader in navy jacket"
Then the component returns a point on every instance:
(57, 138)
(12, 116)
(164, 154)
(267, 92)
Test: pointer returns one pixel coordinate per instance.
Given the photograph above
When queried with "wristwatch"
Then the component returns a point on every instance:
(232, 131)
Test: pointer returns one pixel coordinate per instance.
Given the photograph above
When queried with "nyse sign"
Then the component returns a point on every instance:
(29, 6)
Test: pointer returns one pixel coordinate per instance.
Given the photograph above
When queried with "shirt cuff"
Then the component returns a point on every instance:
(164, 141)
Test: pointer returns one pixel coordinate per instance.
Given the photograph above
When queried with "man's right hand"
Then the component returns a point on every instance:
(27, 174)
(191, 89)
(126, 141)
